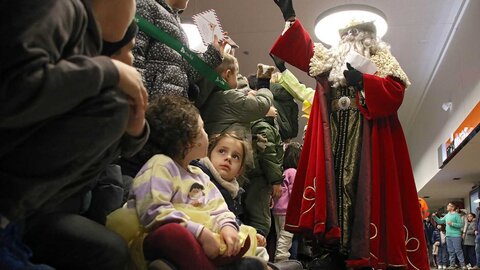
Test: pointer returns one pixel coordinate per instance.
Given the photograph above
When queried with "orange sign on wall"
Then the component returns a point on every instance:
(458, 138)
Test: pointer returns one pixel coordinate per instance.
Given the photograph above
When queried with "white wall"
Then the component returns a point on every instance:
(457, 80)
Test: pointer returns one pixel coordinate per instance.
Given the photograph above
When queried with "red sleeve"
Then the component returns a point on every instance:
(294, 47)
(383, 96)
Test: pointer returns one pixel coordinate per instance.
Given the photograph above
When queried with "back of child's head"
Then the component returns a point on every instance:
(229, 63)
(247, 155)
(292, 155)
(173, 124)
(228, 70)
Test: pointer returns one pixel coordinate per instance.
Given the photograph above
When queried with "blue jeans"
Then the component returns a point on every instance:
(454, 246)
(477, 249)
(442, 256)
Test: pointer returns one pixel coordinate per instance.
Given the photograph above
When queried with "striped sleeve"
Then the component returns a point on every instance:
(220, 213)
(153, 191)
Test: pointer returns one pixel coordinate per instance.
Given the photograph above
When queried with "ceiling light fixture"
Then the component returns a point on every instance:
(195, 42)
(330, 21)
(447, 106)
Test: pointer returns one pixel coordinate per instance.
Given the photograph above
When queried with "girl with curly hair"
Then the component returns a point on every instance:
(162, 196)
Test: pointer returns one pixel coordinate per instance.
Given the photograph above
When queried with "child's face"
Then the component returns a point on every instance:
(469, 217)
(227, 157)
(439, 227)
(195, 193)
(199, 147)
(125, 54)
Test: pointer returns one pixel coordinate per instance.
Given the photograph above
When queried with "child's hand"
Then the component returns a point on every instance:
(210, 246)
(252, 93)
(261, 241)
(219, 45)
(230, 237)
(276, 191)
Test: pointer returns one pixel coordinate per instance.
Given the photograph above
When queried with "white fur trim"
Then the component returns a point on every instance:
(386, 63)
(319, 62)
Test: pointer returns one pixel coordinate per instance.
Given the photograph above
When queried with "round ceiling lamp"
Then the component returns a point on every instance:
(195, 42)
(329, 22)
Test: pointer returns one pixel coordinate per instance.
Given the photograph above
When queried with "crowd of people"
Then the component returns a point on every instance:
(119, 153)
(453, 238)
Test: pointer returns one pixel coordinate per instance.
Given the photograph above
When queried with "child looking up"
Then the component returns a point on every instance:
(170, 197)
(228, 153)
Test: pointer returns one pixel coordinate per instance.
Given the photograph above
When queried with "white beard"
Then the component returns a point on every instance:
(364, 44)
(331, 61)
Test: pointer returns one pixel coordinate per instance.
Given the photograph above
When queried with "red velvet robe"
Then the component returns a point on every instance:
(395, 229)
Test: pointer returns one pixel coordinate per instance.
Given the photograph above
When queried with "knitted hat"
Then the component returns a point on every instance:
(109, 48)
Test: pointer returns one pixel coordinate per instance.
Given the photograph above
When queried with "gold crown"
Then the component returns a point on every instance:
(360, 25)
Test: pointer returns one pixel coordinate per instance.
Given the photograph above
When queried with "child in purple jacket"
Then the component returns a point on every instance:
(284, 238)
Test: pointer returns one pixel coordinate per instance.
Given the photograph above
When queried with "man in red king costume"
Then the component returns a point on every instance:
(354, 189)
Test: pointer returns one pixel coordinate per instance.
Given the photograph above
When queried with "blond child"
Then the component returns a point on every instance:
(228, 153)
(225, 110)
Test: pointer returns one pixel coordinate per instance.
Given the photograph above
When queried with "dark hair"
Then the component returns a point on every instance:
(292, 155)
(473, 215)
(173, 124)
(197, 185)
(454, 204)
(111, 48)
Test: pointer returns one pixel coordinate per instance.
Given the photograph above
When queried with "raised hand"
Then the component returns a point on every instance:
(286, 6)
(264, 73)
(354, 77)
(219, 45)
